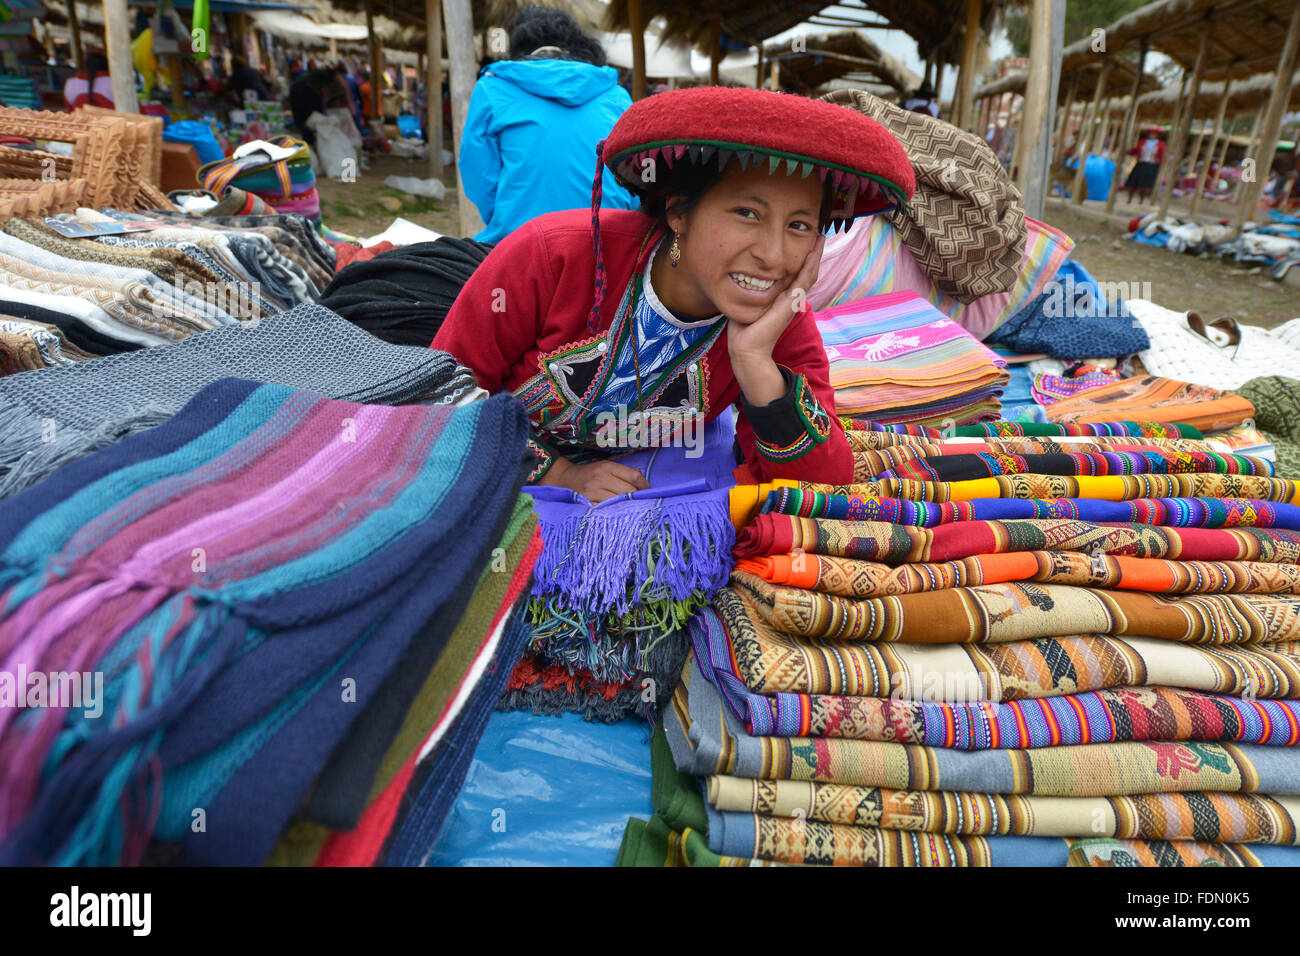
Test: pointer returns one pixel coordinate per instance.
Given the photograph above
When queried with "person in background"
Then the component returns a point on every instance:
(307, 96)
(534, 120)
(923, 101)
(244, 77)
(1150, 151)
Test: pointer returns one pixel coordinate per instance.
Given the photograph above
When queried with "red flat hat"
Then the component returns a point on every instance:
(867, 166)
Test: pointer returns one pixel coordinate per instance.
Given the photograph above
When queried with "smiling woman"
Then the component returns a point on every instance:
(697, 300)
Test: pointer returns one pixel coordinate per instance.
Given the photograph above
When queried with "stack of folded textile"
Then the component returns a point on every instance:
(290, 616)
(115, 293)
(1020, 669)
(895, 359)
(618, 582)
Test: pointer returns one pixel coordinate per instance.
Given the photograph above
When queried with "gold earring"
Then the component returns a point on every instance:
(674, 253)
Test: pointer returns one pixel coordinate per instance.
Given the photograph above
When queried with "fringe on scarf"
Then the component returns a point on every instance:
(601, 563)
(551, 689)
(612, 647)
(32, 448)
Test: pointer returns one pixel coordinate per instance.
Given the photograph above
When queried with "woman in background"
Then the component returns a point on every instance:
(533, 124)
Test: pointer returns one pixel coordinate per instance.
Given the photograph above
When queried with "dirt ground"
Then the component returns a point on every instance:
(1177, 281)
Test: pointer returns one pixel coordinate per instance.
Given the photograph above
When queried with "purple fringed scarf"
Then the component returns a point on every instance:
(615, 579)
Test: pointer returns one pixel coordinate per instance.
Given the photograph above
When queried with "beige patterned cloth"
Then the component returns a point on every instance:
(966, 224)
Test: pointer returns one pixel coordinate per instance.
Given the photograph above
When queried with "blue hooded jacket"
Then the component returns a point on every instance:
(529, 145)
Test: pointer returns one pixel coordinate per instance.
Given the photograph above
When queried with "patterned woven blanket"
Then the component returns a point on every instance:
(900, 544)
(1004, 429)
(226, 573)
(996, 613)
(1169, 512)
(852, 578)
(770, 663)
(971, 467)
(706, 738)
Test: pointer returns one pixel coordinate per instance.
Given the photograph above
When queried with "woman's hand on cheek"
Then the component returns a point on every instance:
(750, 346)
(757, 339)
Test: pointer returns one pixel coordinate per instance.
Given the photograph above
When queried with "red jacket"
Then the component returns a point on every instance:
(532, 296)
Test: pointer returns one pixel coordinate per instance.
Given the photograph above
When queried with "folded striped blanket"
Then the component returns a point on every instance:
(233, 574)
(971, 467)
(1003, 429)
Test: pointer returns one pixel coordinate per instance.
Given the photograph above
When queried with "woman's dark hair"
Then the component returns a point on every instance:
(535, 26)
(688, 183)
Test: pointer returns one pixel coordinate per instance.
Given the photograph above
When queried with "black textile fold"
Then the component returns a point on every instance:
(404, 295)
(77, 332)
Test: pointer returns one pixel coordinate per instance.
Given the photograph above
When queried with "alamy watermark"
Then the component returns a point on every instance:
(637, 429)
(239, 300)
(76, 690)
(1067, 299)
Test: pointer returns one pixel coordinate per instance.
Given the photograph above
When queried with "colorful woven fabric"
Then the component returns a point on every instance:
(900, 544)
(996, 613)
(896, 358)
(1153, 398)
(706, 738)
(849, 577)
(1168, 512)
(972, 467)
(1205, 817)
(861, 440)
(746, 500)
(1049, 389)
(1003, 429)
(811, 842)
(771, 663)
(225, 571)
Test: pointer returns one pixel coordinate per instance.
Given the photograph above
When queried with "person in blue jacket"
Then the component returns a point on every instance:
(529, 145)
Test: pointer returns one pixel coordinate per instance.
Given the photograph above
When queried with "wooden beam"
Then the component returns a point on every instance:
(1127, 129)
(776, 76)
(715, 49)
(1272, 121)
(117, 45)
(966, 79)
(433, 84)
(758, 68)
(74, 34)
(1175, 155)
(1084, 145)
(636, 17)
(458, 21)
(1046, 34)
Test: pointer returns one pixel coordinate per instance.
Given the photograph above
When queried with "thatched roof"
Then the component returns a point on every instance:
(935, 25)
(1246, 36)
(1246, 97)
(492, 13)
(747, 21)
(1118, 82)
(830, 56)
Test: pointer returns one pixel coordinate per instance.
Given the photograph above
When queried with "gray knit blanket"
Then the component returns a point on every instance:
(50, 417)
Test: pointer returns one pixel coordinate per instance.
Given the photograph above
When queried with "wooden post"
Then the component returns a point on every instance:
(758, 67)
(1209, 150)
(929, 71)
(1058, 141)
(776, 76)
(1084, 145)
(1127, 128)
(74, 34)
(1174, 125)
(1272, 121)
(334, 51)
(433, 84)
(966, 84)
(636, 18)
(376, 65)
(1175, 155)
(117, 45)
(938, 80)
(715, 49)
(459, 24)
(1046, 33)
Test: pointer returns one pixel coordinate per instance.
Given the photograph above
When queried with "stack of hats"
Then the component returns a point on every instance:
(896, 359)
(1027, 669)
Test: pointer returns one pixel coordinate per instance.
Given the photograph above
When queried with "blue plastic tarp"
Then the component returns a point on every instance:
(548, 791)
